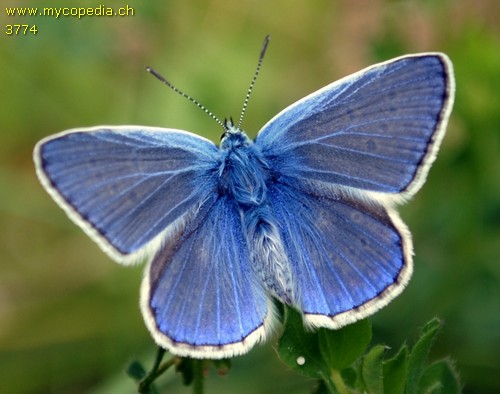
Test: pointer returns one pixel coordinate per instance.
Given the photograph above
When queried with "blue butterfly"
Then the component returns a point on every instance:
(304, 214)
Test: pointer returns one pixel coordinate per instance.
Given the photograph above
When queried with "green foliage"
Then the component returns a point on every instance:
(333, 356)
(394, 372)
(418, 355)
(192, 372)
(299, 349)
(136, 371)
(340, 360)
(440, 377)
(337, 347)
(371, 370)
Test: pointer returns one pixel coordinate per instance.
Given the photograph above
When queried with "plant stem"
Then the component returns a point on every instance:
(156, 370)
(338, 382)
(198, 378)
(159, 356)
(166, 365)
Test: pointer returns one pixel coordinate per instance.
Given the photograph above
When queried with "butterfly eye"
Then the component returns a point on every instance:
(226, 126)
(229, 124)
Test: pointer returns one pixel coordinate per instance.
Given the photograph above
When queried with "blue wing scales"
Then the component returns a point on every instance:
(337, 159)
(200, 296)
(376, 130)
(125, 185)
(349, 256)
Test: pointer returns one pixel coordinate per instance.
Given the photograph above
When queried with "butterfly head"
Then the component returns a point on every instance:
(233, 137)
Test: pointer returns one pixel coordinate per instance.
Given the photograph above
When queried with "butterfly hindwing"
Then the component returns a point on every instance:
(349, 256)
(339, 159)
(125, 185)
(200, 295)
(378, 129)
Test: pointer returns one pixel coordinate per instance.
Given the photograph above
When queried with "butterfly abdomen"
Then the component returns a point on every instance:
(269, 260)
(244, 175)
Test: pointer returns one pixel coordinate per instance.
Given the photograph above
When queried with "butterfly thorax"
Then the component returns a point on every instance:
(244, 175)
(243, 171)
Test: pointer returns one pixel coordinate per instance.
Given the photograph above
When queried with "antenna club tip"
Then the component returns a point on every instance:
(264, 46)
(160, 77)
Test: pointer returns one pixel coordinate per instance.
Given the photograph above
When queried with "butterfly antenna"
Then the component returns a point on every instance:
(259, 64)
(196, 102)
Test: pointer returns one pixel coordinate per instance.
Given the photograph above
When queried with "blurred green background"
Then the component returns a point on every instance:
(69, 317)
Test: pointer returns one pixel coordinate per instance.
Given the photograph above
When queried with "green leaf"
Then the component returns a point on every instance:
(340, 348)
(136, 371)
(419, 355)
(371, 370)
(440, 377)
(299, 349)
(321, 388)
(394, 372)
(350, 377)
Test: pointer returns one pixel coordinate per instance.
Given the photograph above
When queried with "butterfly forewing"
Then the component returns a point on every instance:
(376, 130)
(126, 185)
